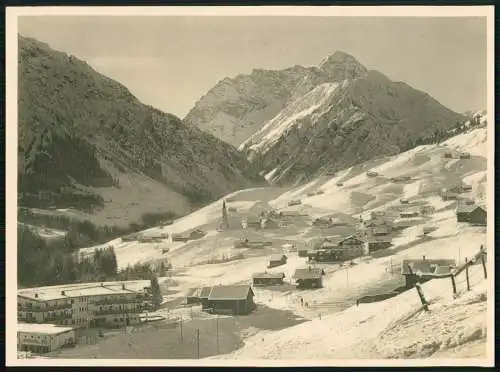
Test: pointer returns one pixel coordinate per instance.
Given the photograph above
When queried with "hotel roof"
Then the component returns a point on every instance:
(42, 328)
(82, 290)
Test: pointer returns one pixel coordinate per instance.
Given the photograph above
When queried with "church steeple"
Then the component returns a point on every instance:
(224, 220)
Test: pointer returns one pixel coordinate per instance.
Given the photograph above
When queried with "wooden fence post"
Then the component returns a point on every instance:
(424, 302)
(453, 284)
(483, 261)
(467, 273)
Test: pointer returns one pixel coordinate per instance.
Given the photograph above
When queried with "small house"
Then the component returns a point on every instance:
(291, 203)
(464, 155)
(180, 238)
(411, 213)
(374, 243)
(252, 222)
(382, 230)
(322, 221)
(449, 195)
(340, 184)
(277, 260)
(448, 155)
(471, 213)
(268, 279)
(235, 299)
(428, 229)
(404, 201)
(197, 234)
(426, 210)
(422, 270)
(461, 188)
(320, 192)
(302, 252)
(371, 174)
(309, 277)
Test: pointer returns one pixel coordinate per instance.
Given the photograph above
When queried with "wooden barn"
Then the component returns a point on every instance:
(268, 279)
(235, 299)
(422, 270)
(471, 213)
(291, 203)
(374, 243)
(309, 277)
(276, 260)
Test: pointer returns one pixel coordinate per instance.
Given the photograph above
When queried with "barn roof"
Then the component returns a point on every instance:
(279, 275)
(230, 292)
(427, 266)
(308, 273)
(276, 257)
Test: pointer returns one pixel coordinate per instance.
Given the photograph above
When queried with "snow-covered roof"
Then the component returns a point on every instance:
(82, 289)
(308, 273)
(230, 292)
(279, 275)
(276, 257)
(427, 266)
(42, 328)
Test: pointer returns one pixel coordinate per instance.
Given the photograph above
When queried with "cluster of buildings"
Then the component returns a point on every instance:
(48, 316)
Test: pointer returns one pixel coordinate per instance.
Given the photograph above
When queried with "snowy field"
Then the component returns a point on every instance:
(331, 310)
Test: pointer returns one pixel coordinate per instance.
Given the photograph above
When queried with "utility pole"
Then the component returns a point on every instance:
(217, 325)
(198, 343)
(181, 329)
(347, 275)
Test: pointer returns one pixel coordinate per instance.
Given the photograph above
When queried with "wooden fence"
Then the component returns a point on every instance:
(479, 257)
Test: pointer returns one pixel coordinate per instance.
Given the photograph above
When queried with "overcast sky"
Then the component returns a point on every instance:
(170, 62)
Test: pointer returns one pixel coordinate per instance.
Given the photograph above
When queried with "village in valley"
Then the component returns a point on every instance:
(267, 260)
(205, 189)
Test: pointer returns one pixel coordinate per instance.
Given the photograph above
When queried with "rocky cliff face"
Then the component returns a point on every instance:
(336, 115)
(81, 133)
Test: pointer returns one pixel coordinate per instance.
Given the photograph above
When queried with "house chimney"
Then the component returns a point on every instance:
(63, 293)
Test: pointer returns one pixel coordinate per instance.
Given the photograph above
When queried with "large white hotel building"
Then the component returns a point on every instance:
(77, 306)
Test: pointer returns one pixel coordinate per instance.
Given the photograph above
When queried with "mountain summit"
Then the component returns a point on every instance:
(294, 123)
(85, 141)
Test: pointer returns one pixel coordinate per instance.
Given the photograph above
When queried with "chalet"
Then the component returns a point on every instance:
(268, 279)
(302, 252)
(371, 174)
(448, 155)
(464, 155)
(382, 230)
(343, 249)
(426, 210)
(180, 238)
(404, 201)
(320, 192)
(422, 270)
(197, 234)
(374, 243)
(309, 277)
(340, 184)
(311, 193)
(291, 203)
(377, 214)
(235, 299)
(461, 188)
(410, 213)
(322, 221)
(277, 260)
(252, 222)
(471, 213)
(428, 229)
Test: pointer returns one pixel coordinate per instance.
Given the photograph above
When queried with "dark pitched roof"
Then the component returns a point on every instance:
(268, 275)
(230, 292)
(308, 273)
